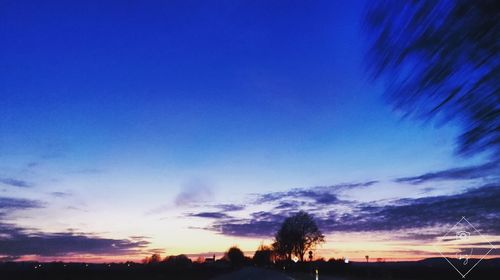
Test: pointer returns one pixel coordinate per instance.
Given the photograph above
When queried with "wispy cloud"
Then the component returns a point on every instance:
(480, 205)
(246, 227)
(89, 171)
(8, 204)
(32, 164)
(193, 192)
(15, 182)
(494, 243)
(230, 207)
(479, 251)
(460, 173)
(319, 194)
(17, 242)
(210, 215)
(60, 194)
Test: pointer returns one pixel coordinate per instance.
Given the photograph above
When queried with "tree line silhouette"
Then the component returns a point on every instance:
(297, 235)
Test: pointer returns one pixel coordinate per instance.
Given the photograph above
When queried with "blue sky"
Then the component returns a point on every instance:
(125, 107)
(190, 84)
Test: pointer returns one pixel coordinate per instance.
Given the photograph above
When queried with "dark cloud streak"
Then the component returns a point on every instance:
(17, 242)
(319, 194)
(460, 173)
(13, 204)
(210, 215)
(230, 207)
(60, 194)
(15, 182)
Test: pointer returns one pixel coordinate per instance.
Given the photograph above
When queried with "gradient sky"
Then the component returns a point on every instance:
(135, 122)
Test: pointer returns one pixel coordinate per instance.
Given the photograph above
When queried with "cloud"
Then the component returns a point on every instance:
(289, 205)
(139, 237)
(494, 243)
(60, 194)
(230, 207)
(480, 205)
(15, 182)
(409, 218)
(194, 191)
(479, 251)
(90, 171)
(210, 215)
(9, 258)
(17, 242)
(264, 224)
(32, 164)
(246, 228)
(460, 173)
(8, 204)
(261, 224)
(317, 195)
(419, 235)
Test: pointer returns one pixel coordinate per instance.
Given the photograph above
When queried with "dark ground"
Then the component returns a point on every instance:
(429, 269)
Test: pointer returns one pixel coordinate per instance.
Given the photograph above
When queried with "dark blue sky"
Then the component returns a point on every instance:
(188, 79)
(146, 100)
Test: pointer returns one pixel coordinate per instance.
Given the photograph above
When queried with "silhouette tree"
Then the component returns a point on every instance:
(155, 258)
(263, 255)
(298, 234)
(441, 61)
(179, 260)
(235, 256)
(367, 258)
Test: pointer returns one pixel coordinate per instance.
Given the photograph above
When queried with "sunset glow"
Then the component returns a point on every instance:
(172, 128)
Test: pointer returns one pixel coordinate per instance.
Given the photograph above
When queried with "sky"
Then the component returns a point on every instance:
(189, 126)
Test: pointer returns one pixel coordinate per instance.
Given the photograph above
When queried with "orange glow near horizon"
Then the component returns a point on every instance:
(340, 248)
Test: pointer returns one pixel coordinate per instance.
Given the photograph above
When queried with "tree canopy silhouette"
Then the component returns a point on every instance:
(298, 234)
(155, 258)
(179, 260)
(440, 59)
(263, 255)
(235, 256)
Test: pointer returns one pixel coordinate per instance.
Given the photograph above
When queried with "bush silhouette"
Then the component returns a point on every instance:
(235, 256)
(155, 258)
(180, 260)
(263, 256)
